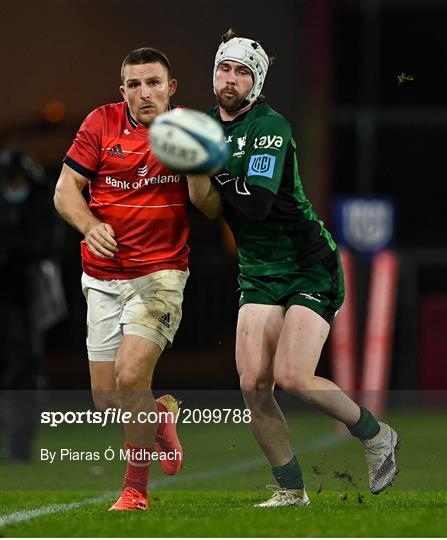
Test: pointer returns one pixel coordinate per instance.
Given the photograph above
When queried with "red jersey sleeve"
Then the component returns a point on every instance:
(84, 154)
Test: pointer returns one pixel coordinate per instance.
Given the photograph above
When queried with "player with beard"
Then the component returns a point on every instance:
(291, 278)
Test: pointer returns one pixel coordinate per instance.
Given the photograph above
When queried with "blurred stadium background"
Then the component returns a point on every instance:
(359, 131)
(364, 84)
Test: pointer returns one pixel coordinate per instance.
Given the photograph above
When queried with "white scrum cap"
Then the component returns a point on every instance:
(249, 53)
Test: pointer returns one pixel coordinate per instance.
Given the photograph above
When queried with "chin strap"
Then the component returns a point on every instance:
(242, 104)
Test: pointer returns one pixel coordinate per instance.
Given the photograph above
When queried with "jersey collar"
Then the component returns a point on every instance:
(134, 123)
(239, 119)
(229, 123)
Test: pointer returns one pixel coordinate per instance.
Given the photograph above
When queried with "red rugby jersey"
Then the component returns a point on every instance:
(142, 200)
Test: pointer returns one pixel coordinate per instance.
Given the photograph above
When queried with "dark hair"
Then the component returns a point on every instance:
(145, 55)
(229, 34)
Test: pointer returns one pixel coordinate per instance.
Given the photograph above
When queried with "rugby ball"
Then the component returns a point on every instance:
(188, 141)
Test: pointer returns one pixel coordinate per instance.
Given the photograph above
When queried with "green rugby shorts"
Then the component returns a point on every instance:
(319, 287)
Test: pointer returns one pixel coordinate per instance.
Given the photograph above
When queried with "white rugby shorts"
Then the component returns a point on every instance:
(149, 306)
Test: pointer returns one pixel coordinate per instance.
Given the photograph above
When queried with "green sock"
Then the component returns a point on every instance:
(289, 476)
(367, 427)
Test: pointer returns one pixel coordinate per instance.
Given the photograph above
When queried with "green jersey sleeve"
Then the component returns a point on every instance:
(266, 149)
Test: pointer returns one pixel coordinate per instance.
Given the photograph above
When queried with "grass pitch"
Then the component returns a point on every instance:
(224, 475)
(223, 513)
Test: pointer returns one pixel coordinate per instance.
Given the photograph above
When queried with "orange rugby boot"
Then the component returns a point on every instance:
(130, 499)
(166, 439)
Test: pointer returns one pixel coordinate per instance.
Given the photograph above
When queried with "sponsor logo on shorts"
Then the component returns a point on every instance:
(165, 319)
(310, 297)
(261, 165)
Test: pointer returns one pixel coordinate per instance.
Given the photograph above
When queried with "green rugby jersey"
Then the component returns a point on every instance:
(263, 153)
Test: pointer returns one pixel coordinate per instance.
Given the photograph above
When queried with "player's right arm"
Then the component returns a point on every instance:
(204, 196)
(71, 205)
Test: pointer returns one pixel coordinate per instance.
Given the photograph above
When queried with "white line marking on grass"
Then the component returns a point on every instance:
(331, 439)
(25, 515)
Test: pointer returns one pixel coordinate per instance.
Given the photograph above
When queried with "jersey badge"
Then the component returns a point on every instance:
(142, 171)
(241, 141)
(261, 165)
